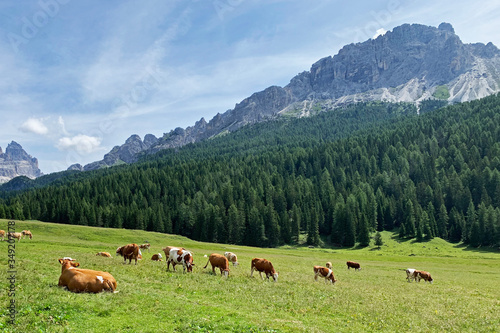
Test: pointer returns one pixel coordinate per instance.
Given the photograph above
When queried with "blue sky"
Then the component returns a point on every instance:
(79, 77)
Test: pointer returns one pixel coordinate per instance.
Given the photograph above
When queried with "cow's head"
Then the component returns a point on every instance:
(119, 250)
(68, 263)
(275, 276)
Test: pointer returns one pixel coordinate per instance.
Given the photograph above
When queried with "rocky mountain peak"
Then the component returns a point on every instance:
(16, 162)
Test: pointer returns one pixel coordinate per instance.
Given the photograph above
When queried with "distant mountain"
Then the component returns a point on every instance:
(411, 63)
(16, 162)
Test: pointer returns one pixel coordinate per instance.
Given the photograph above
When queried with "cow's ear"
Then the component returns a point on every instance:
(61, 261)
(192, 264)
(76, 264)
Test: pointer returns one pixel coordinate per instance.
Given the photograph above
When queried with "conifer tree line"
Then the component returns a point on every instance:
(337, 177)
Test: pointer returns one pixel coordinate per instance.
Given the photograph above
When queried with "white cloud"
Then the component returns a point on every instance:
(34, 125)
(82, 144)
(380, 32)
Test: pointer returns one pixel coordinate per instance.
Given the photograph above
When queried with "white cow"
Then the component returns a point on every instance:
(180, 256)
(231, 257)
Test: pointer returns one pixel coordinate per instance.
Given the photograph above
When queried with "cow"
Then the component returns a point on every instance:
(156, 257)
(104, 254)
(410, 274)
(84, 280)
(352, 264)
(27, 233)
(145, 246)
(2, 234)
(219, 261)
(263, 265)
(418, 275)
(325, 272)
(178, 256)
(232, 258)
(16, 235)
(130, 252)
(329, 265)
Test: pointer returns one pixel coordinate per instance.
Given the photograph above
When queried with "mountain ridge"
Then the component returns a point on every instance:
(17, 162)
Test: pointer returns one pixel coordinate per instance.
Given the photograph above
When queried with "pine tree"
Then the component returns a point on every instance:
(378, 239)
(364, 233)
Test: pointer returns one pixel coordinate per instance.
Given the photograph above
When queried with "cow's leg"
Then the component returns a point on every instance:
(316, 277)
(251, 272)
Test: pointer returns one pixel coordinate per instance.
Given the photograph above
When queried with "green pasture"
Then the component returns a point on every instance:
(465, 295)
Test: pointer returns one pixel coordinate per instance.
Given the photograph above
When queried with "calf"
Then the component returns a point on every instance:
(156, 257)
(16, 235)
(84, 280)
(2, 234)
(410, 274)
(325, 272)
(180, 256)
(130, 252)
(27, 233)
(104, 254)
(219, 261)
(231, 257)
(145, 246)
(263, 265)
(329, 265)
(418, 275)
(352, 264)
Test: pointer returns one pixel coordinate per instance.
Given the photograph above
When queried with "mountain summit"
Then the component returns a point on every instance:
(411, 63)
(16, 162)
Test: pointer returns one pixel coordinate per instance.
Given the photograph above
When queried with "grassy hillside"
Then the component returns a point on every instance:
(464, 296)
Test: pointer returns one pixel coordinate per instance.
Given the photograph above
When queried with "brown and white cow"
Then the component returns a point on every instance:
(16, 235)
(419, 275)
(329, 265)
(264, 265)
(156, 257)
(27, 233)
(182, 257)
(231, 257)
(352, 264)
(325, 272)
(219, 261)
(410, 274)
(145, 246)
(130, 252)
(84, 280)
(104, 254)
(2, 234)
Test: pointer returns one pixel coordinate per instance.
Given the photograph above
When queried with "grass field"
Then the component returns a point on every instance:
(465, 295)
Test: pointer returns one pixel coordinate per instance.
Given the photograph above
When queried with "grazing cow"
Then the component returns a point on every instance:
(104, 254)
(352, 264)
(180, 256)
(145, 246)
(16, 235)
(263, 265)
(156, 257)
(27, 233)
(418, 275)
(329, 265)
(84, 280)
(219, 261)
(410, 274)
(2, 234)
(232, 258)
(130, 252)
(325, 272)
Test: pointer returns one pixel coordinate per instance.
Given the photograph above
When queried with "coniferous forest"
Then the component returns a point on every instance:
(334, 177)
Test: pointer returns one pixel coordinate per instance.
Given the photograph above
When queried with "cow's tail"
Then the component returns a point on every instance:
(207, 263)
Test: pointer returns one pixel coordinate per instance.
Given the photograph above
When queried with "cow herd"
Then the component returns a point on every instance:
(16, 235)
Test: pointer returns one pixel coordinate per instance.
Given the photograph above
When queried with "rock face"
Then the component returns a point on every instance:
(411, 63)
(16, 162)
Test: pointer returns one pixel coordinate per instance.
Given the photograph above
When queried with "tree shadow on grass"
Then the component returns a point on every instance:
(467, 247)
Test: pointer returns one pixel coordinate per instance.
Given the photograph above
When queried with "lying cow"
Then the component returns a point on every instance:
(219, 261)
(145, 246)
(419, 275)
(2, 234)
(325, 272)
(352, 264)
(27, 233)
(410, 274)
(16, 235)
(130, 252)
(156, 257)
(231, 257)
(329, 265)
(104, 254)
(180, 256)
(263, 265)
(84, 280)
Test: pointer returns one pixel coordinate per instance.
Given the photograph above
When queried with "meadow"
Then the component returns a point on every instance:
(465, 295)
